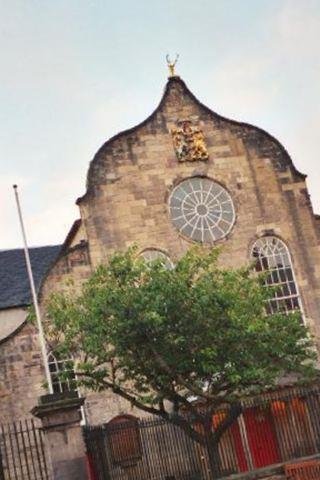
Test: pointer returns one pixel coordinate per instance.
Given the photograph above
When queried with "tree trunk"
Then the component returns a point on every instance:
(212, 446)
(202, 433)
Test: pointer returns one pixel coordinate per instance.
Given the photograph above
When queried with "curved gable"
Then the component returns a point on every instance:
(118, 150)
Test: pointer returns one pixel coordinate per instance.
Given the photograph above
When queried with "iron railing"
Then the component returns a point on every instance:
(273, 429)
(22, 452)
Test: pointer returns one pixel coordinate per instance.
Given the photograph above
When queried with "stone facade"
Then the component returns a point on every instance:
(60, 419)
(129, 183)
(128, 186)
(21, 374)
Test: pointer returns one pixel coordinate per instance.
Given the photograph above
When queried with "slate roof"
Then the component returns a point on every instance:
(14, 283)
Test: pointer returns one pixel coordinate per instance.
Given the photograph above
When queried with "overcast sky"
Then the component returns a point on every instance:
(75, 72)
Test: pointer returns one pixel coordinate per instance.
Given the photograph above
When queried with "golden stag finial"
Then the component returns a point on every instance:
(171, 65)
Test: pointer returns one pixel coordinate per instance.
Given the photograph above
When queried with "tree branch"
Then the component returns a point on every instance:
(175, 376)
(122, 393)
(178, 420)
(233, 413)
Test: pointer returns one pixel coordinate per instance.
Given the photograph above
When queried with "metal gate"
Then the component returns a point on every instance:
(22, 452)
(274, 428)
(142, 450)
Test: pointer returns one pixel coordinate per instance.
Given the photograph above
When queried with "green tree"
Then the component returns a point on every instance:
(179, 343)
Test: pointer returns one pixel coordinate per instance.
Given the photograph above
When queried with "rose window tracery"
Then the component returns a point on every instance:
(202, 210)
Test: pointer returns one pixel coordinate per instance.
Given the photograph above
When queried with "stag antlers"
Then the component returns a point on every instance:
(171, 64)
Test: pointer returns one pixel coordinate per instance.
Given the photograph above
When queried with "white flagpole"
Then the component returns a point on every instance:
(34, 294)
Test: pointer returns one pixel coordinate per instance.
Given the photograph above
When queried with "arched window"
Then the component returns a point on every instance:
(58, 366)
(124, 440)
(151, 254)
(272, 255)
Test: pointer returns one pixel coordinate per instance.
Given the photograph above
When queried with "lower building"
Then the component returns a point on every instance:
(184, 175)
(21, 372)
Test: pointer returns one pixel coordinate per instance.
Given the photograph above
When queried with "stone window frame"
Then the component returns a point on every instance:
(57, 366)
(124, 440)
(223, 188)
(289, 299)
(161, 254)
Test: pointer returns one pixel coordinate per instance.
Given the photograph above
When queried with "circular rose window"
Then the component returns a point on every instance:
(202, 210)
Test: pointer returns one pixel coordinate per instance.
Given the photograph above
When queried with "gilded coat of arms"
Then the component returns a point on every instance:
(188, 142)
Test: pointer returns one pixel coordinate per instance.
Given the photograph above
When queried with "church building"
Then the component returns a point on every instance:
(184, 175)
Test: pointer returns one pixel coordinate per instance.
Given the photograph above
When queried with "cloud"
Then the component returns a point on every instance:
(297, 26)
(51, 225)
(65, 91)
(241, 86)
(275, 84)
(48, 214)
(10, 230)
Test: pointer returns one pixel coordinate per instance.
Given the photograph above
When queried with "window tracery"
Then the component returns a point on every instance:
(272, 256)
(151, 254)
(58, 366)
(202, 210)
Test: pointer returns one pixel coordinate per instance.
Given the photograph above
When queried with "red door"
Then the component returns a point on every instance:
(261, 437)
(232, 438)
(243, 466)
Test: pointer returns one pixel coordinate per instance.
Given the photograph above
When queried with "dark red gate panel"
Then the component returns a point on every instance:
(261, 437)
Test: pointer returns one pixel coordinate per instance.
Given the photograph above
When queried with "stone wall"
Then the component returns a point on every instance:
(130, 180)
(131, 177)
(21, 375)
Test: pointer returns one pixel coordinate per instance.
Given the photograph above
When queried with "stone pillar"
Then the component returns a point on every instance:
(60, 416)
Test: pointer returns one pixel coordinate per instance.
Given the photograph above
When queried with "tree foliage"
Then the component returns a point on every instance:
(179, 343)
